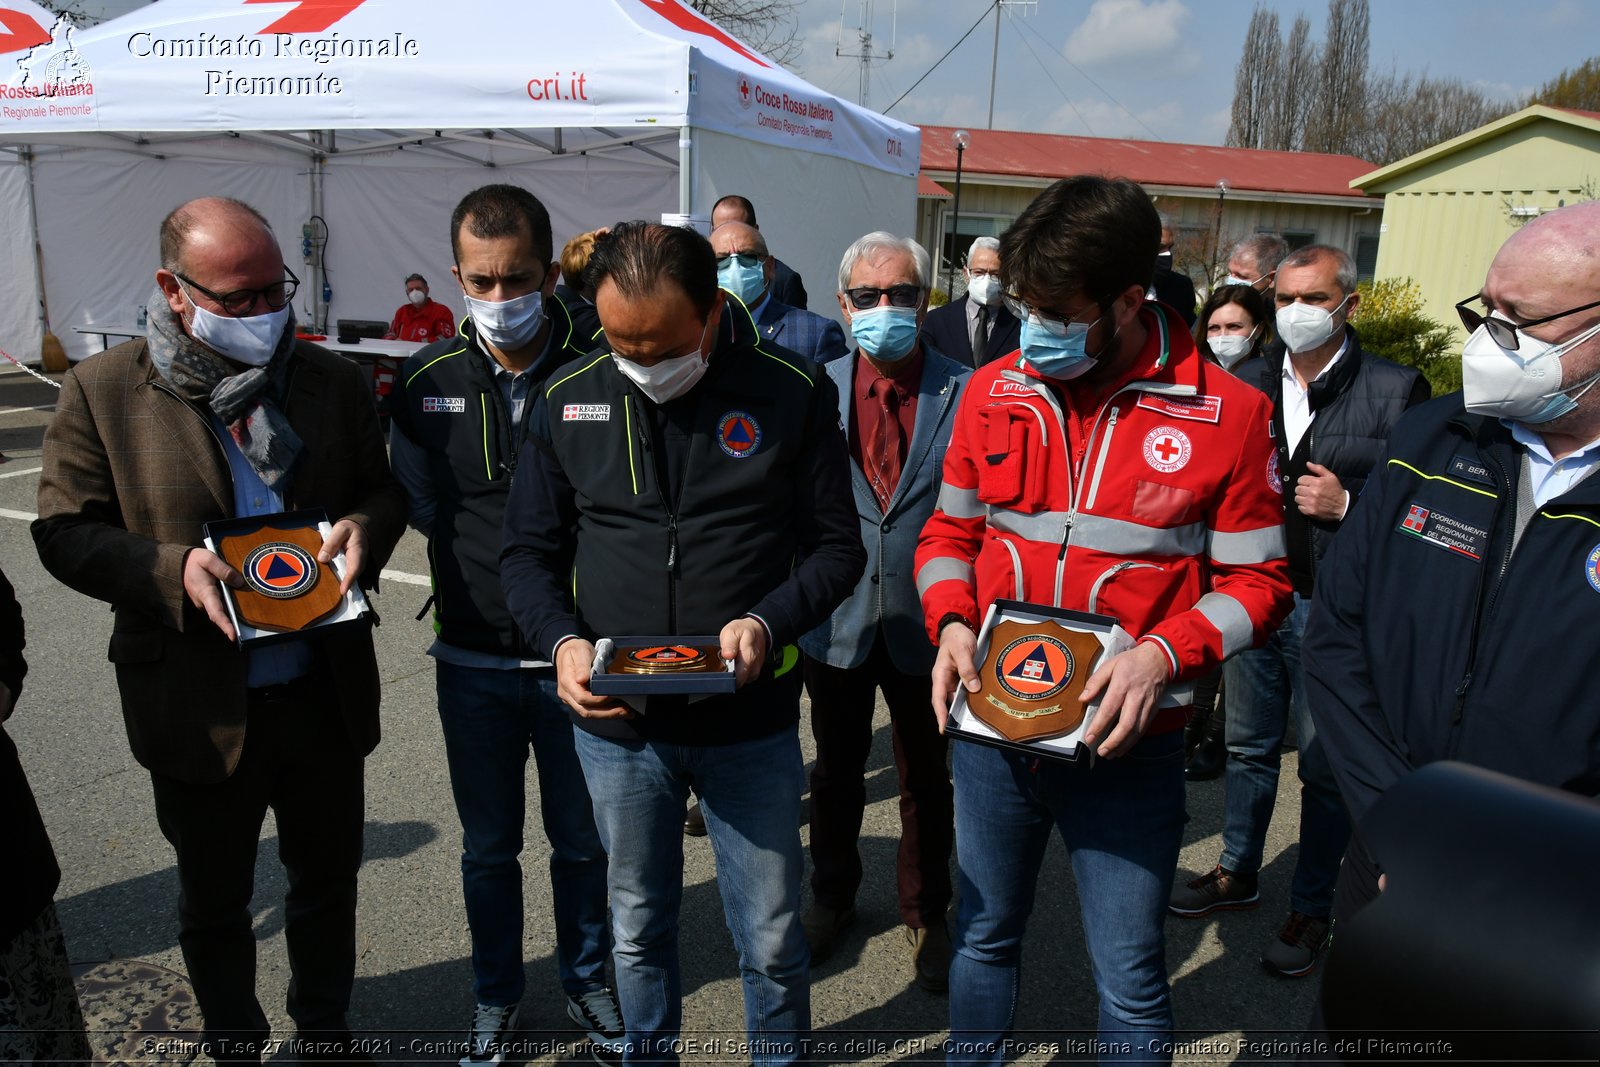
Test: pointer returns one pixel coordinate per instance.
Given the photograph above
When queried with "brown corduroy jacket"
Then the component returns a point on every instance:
(131, 473)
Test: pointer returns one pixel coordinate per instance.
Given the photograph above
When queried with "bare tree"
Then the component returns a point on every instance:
(769, 26)
(1406, 114)
(1338, 110)
(1255, 82)
(1297, 77)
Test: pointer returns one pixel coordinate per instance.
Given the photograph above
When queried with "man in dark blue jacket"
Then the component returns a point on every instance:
(460, 412)
(1455, 614)
(687, 481)
(1333, 406)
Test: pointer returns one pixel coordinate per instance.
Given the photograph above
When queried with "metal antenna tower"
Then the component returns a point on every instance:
(994, 58)
(865, 53)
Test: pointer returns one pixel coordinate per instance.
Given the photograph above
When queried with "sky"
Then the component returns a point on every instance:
(1146, 69)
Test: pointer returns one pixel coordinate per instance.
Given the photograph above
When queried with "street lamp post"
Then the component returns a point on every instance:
(961, 138)
(1216, 236)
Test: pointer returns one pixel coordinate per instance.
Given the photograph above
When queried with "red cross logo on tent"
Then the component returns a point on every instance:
(308, 16)
(1167, 449)
(744, 91)
(681, 16)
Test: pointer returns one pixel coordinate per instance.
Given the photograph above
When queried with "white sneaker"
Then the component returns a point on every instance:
(491, 1028)
(596, 1012)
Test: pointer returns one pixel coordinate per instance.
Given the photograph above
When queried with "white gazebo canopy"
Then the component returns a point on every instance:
(360, 123)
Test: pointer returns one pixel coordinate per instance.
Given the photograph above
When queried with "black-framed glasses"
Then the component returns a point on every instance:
(864, 297)
(1055, 322)
(742, 259)
(241, 302)
(1504, 331)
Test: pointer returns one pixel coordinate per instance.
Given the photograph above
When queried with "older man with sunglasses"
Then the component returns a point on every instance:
(897, 404)
(221, 413)
(1456, 612)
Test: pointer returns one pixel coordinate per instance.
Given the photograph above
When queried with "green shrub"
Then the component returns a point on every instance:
(1392, 325)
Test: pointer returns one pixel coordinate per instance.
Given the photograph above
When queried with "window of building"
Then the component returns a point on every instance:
(1366, 256)
(1298, 239)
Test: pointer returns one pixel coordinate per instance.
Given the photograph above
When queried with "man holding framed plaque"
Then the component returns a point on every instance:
(1104, 469)
(687, 482)
(220, 413)
(497, 697)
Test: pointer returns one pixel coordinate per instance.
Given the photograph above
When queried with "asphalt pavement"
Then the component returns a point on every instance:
(413, 993)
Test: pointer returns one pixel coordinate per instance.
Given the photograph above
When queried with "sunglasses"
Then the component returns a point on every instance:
(864, 297)
(241, 302)
(1052, 321)
(743, 259)
(1503, 331)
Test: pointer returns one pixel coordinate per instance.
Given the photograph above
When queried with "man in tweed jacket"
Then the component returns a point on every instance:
(219, 412)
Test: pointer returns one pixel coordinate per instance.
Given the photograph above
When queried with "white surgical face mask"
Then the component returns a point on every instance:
(666, 379)
(1230, 348)
(1234, 279)
(985, 290)
(508, 324)
(1305, 326)
(417, 297)
(1524, 385)
(250, 341)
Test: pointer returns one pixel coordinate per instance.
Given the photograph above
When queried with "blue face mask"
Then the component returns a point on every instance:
(887, 334)
(744, 277)
(1057, 352)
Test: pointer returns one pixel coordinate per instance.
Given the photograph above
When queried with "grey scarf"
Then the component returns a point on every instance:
(248, 402)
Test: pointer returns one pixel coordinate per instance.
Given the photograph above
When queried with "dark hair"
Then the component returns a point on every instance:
(1086, 234)
(415, 278)
(181, 222)
(638, 256)
(502, 211)
(1254, 304)
(739, 202)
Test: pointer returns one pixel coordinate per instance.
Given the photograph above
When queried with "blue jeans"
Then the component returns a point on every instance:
(491, 718)
(750, 795)
(1263, 685)
(1122, 822)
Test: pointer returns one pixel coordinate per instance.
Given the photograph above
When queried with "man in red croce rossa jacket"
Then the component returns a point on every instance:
(1103, 467)
(421, 318)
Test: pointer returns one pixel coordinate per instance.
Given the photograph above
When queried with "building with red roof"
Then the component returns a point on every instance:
(1214, 196)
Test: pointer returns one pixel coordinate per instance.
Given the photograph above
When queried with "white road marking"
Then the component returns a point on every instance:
(18, 474)
(25, 516)
(19, 411)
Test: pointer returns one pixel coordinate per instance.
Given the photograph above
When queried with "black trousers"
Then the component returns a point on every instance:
(842, 703)
(297, 760)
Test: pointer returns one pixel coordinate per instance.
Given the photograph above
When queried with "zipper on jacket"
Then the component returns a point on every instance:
(1506, 488)
(671, 507)
(1100, 461)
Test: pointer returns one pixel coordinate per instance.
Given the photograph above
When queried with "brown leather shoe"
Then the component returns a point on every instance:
(930, 956)
(823, 925)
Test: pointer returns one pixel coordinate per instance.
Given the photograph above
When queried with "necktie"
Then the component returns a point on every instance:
(883, 458)
(980, 337)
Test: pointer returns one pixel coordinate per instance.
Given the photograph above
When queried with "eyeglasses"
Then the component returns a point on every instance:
(241, 302)
(1504, 331)
(742, 259)
(1055, 322)
(864, 297)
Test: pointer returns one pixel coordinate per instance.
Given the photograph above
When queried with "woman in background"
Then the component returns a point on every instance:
(1230, 332)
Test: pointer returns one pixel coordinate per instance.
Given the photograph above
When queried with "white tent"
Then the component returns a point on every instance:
(373, 117)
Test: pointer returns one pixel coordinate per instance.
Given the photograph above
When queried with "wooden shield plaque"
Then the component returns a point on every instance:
(285, 588)
(1032, 678)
